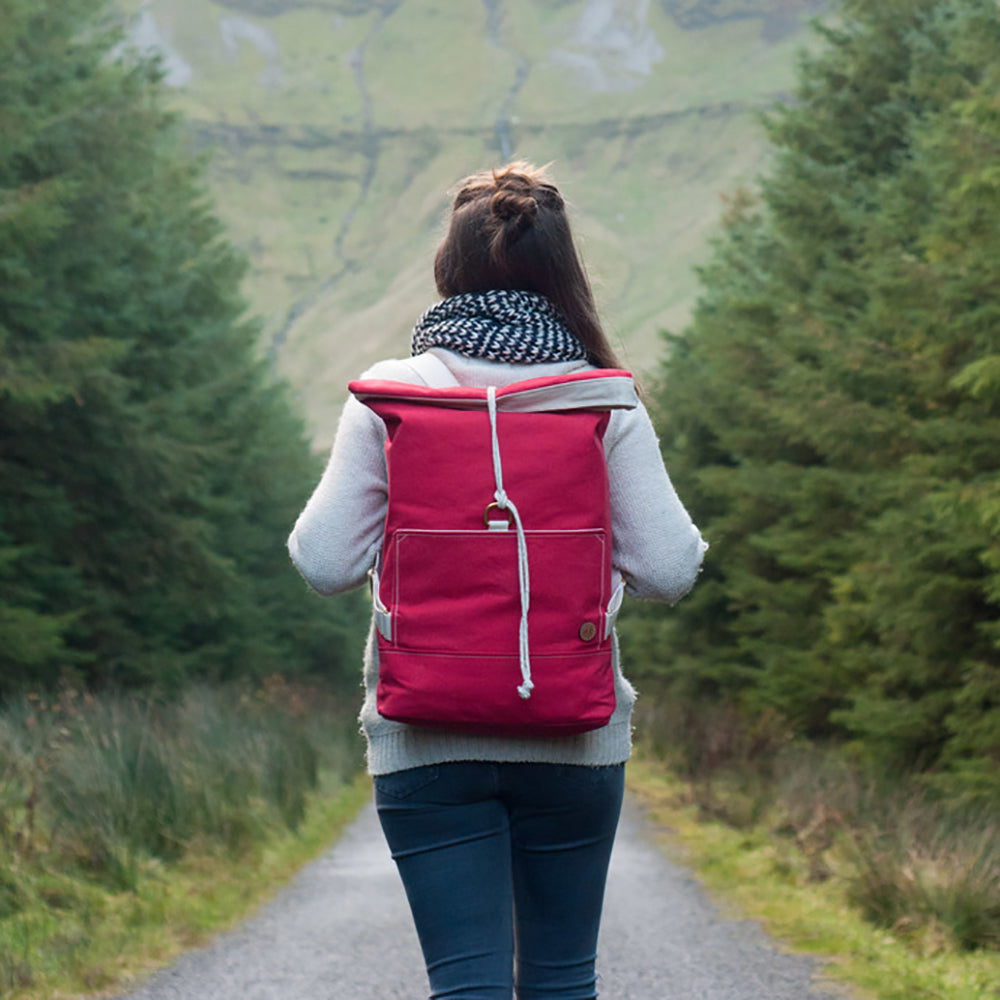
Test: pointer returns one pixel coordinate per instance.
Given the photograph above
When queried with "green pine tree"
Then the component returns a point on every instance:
(149, 467)
(831, 413)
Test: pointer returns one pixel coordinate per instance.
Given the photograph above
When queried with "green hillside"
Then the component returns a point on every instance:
(339, 125)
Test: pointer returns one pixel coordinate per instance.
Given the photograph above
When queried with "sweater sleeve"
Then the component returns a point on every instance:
(338, 534)
(657, 548)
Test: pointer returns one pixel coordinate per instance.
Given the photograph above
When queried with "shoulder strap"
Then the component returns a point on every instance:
(431, 370)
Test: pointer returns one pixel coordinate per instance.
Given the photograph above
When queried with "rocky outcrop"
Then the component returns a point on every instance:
(612, 46)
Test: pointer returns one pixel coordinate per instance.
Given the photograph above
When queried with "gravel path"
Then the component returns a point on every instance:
(341, 931)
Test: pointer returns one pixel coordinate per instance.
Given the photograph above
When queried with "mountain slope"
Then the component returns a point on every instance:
(338, 127)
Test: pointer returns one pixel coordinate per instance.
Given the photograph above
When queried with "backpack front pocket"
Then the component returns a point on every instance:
(456, 592)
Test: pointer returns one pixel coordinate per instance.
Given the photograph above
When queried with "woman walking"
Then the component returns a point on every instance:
(502, 842)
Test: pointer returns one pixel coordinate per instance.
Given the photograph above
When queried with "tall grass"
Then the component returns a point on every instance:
(930, 873)
(909, 857)
(97, 791)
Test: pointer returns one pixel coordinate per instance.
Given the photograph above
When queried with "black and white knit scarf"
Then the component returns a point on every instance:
(500, 325)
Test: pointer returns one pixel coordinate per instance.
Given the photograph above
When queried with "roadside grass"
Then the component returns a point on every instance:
(132, 829)
(896, 890)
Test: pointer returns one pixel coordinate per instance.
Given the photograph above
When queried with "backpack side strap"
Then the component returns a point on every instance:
(614, 606)
(383, 616)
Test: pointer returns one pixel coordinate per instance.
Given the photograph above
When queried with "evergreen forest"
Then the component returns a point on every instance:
(832, 413)
(150, 466)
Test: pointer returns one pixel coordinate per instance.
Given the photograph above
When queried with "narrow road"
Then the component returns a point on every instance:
(341, 931)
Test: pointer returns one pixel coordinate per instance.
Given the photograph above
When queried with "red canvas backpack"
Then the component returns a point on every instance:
(493, 597)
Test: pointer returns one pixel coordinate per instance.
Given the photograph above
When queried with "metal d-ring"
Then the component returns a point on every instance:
(495, 505)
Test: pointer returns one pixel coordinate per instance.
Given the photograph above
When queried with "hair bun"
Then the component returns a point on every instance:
(508, 204)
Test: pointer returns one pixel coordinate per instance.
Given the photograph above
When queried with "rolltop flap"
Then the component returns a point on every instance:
(600, 389)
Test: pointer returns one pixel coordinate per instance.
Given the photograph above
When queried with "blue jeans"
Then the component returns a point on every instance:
(504, 867)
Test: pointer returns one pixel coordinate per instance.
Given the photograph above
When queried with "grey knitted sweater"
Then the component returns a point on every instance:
(656, 549)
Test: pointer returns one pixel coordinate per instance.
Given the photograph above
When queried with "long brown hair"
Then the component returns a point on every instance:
(508, 229)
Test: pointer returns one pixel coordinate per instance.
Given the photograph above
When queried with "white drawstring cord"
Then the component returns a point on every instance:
(505, 503)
